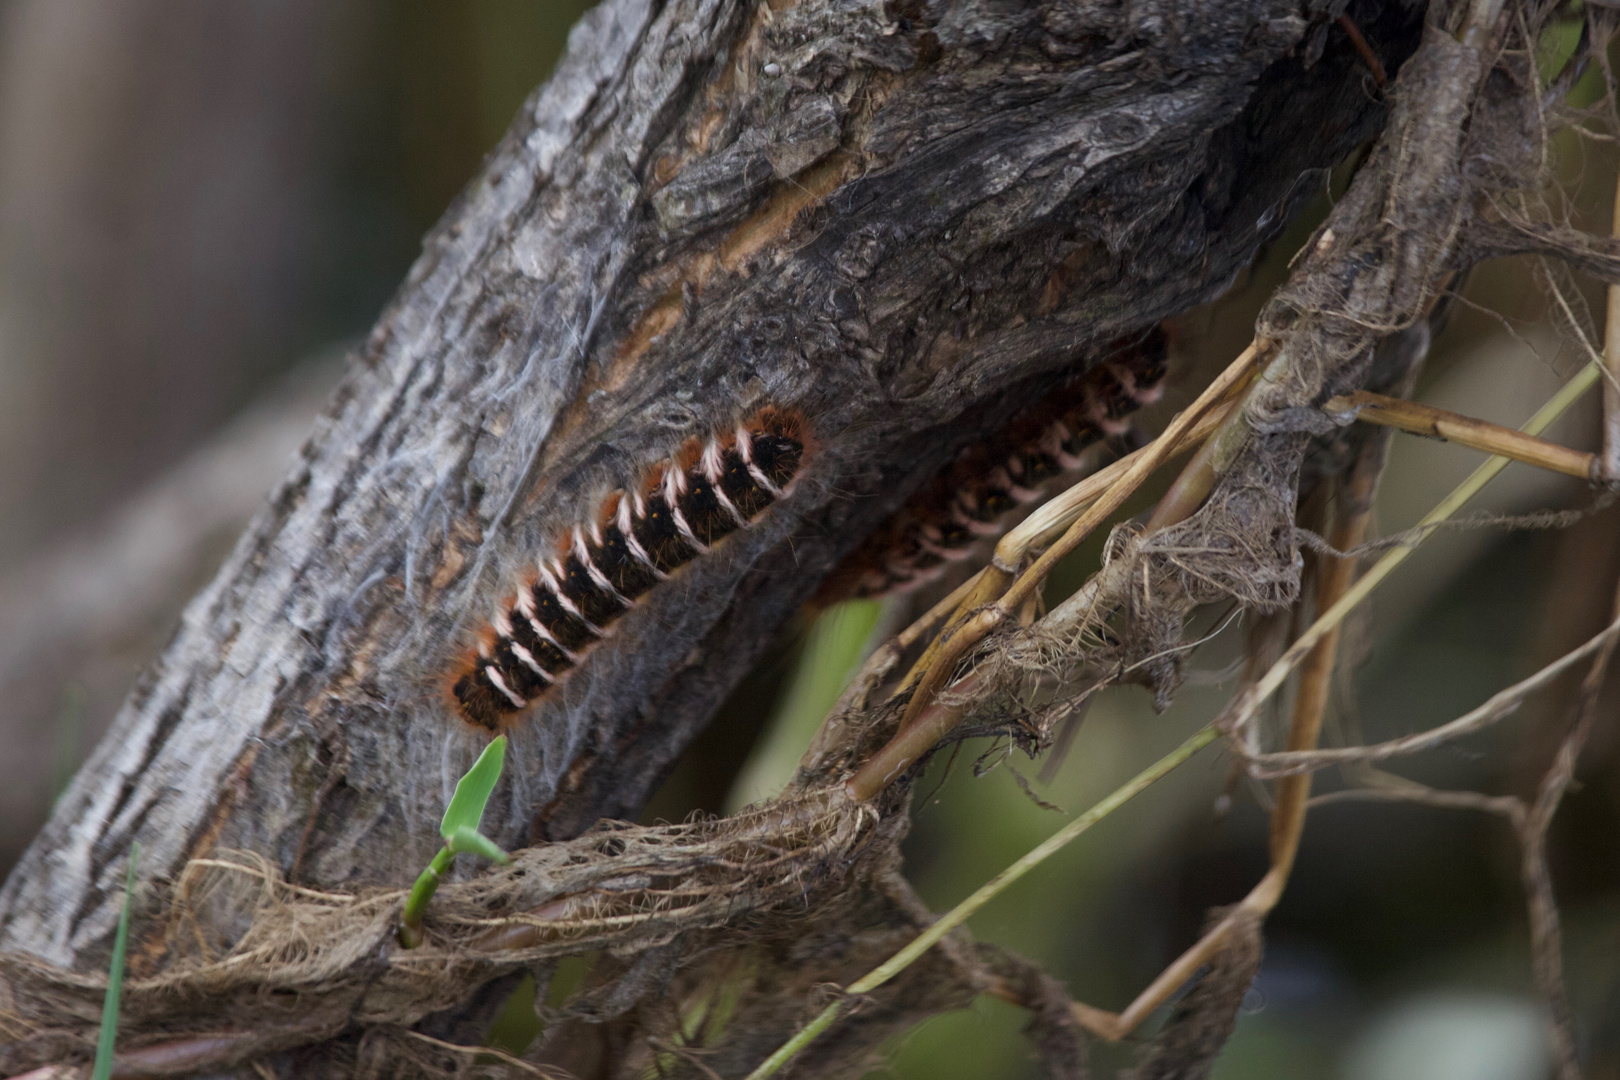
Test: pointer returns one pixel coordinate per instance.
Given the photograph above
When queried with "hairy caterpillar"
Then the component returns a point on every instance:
(968, 501)
(708, 490)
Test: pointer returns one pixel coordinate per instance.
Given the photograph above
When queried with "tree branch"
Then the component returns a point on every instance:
(898, 224)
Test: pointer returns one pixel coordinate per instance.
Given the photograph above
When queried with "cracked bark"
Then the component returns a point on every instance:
(901, 218)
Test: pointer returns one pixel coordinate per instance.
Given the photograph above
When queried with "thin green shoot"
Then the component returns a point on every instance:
(115, 976)
(459, 828)
(983, 895)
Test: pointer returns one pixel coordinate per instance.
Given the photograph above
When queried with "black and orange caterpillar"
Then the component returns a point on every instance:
(970, 499)
(683, 507)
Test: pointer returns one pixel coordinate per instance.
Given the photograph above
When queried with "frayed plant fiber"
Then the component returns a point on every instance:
(1460, 143)
(797, 893)
(312, 964)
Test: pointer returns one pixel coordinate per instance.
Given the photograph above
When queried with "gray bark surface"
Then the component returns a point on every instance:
(901, 219)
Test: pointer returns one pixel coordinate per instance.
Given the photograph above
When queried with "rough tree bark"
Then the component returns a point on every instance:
(902, 218)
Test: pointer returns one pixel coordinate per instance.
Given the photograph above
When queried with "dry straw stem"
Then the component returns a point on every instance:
(1546, 945)
(884, 658)
(1293, 794)
(939, 612)
(981, 896)
(1191, 486)
(1611, 362)
(1049, 522)
(931, 717)
(997, 596)
(1466, 430)
(1530, 822)
(1060, 513)
(1243, 709)
(1294, 762)
(1177, 433)
(502, 1056)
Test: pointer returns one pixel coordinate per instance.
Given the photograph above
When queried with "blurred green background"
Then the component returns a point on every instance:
(201, 205)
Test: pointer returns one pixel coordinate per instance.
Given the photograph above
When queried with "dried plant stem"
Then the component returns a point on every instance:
(1611, 362)
(981, 896)
(911, 742)
(1499, 705)
(1315, 649)
(1190, 488)
(1530, 822)
(1399, 789)
(1243, 708)
(981, 589)
(1060, 512)
(178, 1057)
(1040, 528)
(1154, 454)
(982, 611)
(927, 719)
(887, 655)
(502, 1056)
(939, 612)
(1546, 939)
(1454, 427)
(1335, 577)
(1293, 793)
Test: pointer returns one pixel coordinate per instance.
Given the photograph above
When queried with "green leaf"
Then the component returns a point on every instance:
(834, 649)
(1558, 42)
(115, 977)
(465, 839)
(466, 807)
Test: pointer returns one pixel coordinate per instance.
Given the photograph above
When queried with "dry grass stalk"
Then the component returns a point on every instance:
(998, 597)
(1059, 526)
(1454, 427)
(1292, 796)
(1530, 820)
(1293, 762)
(1611, 362)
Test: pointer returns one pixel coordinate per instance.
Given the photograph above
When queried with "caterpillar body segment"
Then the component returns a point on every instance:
(1074, 430)
(638, 538)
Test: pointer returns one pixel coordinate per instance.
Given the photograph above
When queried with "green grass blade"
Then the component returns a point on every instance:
(837, 644)
(115, 977)
(983, 895)
(466, 807)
